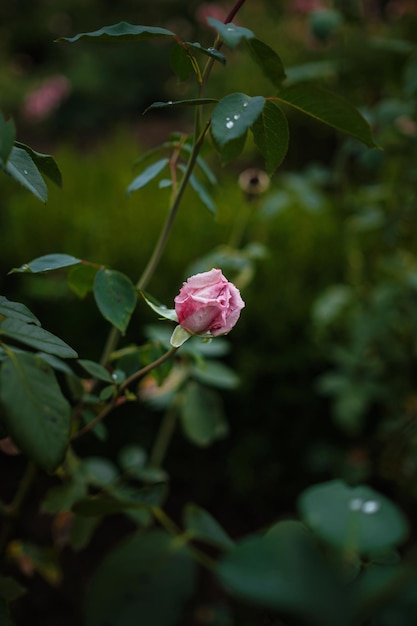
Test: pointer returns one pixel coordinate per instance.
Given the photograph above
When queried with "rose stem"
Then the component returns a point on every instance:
(153, 262)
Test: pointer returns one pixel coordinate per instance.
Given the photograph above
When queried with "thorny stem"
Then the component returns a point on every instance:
(120, 398)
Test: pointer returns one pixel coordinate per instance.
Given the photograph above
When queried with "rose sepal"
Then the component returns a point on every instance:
(179, 336)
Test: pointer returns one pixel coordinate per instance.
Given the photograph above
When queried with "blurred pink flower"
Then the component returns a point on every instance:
(207, 10)
(46, 98)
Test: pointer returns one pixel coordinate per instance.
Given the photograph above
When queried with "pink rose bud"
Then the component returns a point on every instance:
(208, 304)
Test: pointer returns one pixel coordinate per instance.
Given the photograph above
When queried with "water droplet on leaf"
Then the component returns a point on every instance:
(236, 117)
(364, 506)
(245, 104)
(25, 171)
(229, 124)
(370, 507)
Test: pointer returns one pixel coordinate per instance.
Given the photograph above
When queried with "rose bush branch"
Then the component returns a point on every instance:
(119, 398)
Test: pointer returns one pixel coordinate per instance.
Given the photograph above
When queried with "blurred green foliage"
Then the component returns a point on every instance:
(326, 347)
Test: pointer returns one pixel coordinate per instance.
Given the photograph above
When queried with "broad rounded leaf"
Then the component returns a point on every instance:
(115, 296)
(215, 374)
(329, 108)
(36, 337)
(146, 580)
(271, 135)
(202, 416)
(122, 32)
(358, 519)
(37, 416)
(233, 116)
(268, 61)
(81, 279)
(22, 168)
(283, 571)
(180, 62)
(230, 33)
(47, 263)
(202, 526)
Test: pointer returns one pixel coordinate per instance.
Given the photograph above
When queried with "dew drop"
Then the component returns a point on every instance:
(370, 506)
(236, 117)
(245, 104)
(230, 29)
(25, 171)
(229, 124)
(170, 102)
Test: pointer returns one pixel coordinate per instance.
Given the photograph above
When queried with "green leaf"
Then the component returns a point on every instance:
(115, 296)
(62, 497)
(160, 309)
(37, 416)
(17, 311)
(36, 337)
(271, 135)
(82, 530)
(96, 370)
(147, 175)
(202, 193)
(215, 374)
(47, 263)
(7, 136)
(181, 103)
(81, 279)
(231, 119)
(21, 167)
(147, 579)
(202, 417)
(233, 116)
(202, 526)
(44, 162)
(180, 62)
(230, 33)
(122, 32)
(121, 499)
(211, 52)
(232, 149)
(284, 572)
(328, 108)
(268, 61)
(356, 519)
(99, 471)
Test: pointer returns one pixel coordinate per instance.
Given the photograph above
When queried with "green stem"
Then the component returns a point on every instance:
(120, 399)
(163, 438)
(153, 262)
